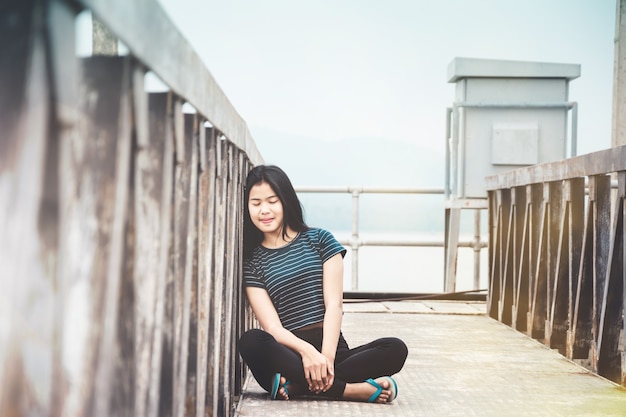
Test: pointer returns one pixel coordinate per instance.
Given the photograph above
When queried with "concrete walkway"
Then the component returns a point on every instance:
(461, 363)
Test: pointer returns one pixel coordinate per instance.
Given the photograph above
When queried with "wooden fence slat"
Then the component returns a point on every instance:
(165, 393)
(182, 194)
(205, 260)
(206, 350)
(95, 171)
(160, 130)
(580, 334)
(491, 254)
(538, 312)
(506, 280)
(557, 328)
(28, 219)
(220, 258)
(601, 256)
(149, 190)
(244, 318)
(496, 261)
(192, 121)
(576, 228)
(121, 382)
(185, 381)
(233, 207)
(537, 206)
(609, 357)
(520, 309)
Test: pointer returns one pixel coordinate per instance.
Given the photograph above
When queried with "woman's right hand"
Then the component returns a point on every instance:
(317, 371)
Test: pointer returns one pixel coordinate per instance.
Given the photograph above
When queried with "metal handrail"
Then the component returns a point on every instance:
(355, 241)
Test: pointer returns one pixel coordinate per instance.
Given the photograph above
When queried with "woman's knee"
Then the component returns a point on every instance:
(401, 347)
(250, 340)
(398, 351)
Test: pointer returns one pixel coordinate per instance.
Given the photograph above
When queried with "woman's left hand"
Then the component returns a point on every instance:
(330, 374)
(318, 370)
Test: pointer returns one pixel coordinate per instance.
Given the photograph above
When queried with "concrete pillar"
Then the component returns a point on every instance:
(104, 42)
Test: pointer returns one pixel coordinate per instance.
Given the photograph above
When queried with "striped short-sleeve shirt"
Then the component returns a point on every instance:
(292, 276)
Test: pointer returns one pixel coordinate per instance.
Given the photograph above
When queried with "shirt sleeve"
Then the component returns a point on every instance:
(251, 276)
(329, 246)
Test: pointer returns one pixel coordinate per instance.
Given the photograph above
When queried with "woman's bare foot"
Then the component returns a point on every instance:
(363, 391)
(282, 393)
(285, 389)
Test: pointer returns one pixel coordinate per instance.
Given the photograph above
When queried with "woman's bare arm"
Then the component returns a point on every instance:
(333, 301)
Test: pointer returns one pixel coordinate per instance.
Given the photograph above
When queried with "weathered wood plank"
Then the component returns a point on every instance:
(559, 301)
(601, 256)
(94, 179)
(186, 382)
(609, 357)
(576, 227)
(555, 210)
(579, 337)
(122, 377)
(28, 219)
(112, 348)
(495, 243)
(161, 130)
(230, 294)
(147, 277)
(210, 260)
(206, 204)
(520, 307)
(538, 311)
(165, 394)
(506, 277)
(220, 276)
(537, 206)
(242, 317)
(580, 334)
(182, 203)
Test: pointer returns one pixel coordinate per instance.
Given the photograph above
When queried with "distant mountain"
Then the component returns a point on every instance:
(354, 162)
(361, 162)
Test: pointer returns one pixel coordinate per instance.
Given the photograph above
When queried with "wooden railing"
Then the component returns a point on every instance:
(556, 255)
(119, 220)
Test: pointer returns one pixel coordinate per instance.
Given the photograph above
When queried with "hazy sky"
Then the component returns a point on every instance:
(342, 69)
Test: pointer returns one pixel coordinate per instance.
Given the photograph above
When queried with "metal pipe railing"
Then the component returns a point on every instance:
(355, 242)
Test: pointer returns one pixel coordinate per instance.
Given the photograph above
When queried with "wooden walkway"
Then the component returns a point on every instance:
(461, 363)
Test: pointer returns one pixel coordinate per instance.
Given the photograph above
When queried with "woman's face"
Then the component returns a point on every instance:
(266, 209)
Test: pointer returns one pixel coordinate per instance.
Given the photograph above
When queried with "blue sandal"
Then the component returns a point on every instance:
(276, 385)
(393, 387)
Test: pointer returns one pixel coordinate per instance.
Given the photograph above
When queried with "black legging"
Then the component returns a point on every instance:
(265, 357)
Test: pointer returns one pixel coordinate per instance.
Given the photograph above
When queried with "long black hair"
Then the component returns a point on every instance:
(292, 208)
